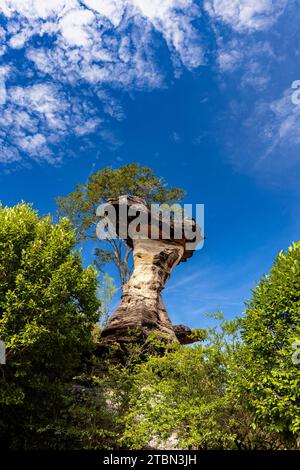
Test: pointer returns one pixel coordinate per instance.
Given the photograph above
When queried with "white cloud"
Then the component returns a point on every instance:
(246, 14)
(36, 9)
(100, 32)
(32, 144)
(270, 140)
(4, 71)
(175, 136)
(241, 49)
(283, 127)
(252, 59)
(177, 28)
(111, 9)
(35, 118)
(86, 128)
(229, 59)
(104, 45)
(74, 27)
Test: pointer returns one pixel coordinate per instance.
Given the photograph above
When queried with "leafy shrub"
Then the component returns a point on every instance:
(267, 377)
(48, 307)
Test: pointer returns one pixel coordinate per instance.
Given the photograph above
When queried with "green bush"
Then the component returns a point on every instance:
(48, 307)
(267, 377)
(184, 396)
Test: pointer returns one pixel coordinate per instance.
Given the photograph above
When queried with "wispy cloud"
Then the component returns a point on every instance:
(36, 118)
(185, 281)
(246, 14)
(66, 58)
(101, 44)
(282, 129)
(249, 56)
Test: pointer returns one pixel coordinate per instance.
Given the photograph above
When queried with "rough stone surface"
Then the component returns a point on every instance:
(142, 308)
(183, 334)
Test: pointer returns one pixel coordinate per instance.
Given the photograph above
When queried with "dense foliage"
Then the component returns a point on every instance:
(270, 370)
(48, 308)
(185, 399)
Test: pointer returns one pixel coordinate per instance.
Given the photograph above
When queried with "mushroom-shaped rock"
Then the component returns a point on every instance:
(159, 244)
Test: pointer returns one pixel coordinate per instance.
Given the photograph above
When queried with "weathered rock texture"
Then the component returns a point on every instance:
(142, 309)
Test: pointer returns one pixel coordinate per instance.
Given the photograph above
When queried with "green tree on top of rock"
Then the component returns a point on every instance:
(80, 206)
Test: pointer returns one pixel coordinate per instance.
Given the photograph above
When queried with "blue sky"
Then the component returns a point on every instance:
(201, 91)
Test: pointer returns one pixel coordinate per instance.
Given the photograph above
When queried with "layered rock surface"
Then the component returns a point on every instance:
(142, 310)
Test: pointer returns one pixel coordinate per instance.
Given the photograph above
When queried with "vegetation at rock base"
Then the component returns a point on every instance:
(188, 396)
(238, 388)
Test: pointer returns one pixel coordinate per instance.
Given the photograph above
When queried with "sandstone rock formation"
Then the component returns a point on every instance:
(142, 309)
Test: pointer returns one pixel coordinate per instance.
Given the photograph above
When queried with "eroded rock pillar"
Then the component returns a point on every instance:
(141, 310)
(142, 307)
